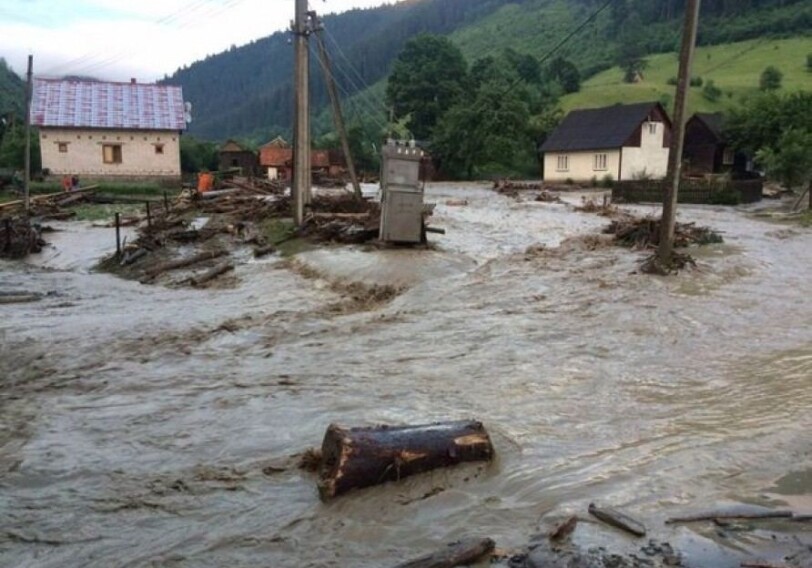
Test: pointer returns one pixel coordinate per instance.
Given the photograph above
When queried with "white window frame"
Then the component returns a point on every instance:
(599, 163)
(562, 163)
(728, 157)
(652, 128)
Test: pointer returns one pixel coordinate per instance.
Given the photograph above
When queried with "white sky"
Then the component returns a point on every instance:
(119, 39)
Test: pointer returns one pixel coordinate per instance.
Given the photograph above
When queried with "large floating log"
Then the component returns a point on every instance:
(617, 519)
(713, 515)
(182, 263)
(459, 553)
(211, 274)
(360, 457)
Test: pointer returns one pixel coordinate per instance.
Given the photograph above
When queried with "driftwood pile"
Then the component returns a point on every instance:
(19, 238)
(52, 205)
(342, 219)
(257, 185)
(644, 233)
(509, 186)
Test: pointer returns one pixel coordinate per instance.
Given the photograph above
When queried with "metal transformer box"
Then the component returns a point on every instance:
(402, 194)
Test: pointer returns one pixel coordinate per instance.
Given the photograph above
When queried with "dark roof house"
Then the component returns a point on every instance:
(619, 141)
(706, 150)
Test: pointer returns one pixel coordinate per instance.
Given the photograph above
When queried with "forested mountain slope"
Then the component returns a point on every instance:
(12, 92)
(247, 91)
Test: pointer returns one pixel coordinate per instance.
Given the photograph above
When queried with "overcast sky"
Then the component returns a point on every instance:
(145, 39)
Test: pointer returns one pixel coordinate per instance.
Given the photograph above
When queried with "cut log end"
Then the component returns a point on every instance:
(361, 457)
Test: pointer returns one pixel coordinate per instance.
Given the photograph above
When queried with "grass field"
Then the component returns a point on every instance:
(734, 68)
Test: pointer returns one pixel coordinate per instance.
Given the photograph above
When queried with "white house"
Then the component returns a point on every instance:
(102, 130)
(621, 141)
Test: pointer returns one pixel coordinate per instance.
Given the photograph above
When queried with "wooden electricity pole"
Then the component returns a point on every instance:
(338, 117)
(28, 94)
(300, 189)
(666, 247)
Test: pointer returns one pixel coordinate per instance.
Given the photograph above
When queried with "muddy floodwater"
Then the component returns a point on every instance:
(149, 426)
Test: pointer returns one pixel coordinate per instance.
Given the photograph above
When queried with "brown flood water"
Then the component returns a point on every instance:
(136, 429)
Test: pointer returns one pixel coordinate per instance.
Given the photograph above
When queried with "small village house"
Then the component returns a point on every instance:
(706, 151)
(276, 159)
(103, 130)
(234, 155)
(623, 142)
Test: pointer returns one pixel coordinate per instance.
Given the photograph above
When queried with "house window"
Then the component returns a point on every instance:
(159, 148)
(563, 164)
(599, 162)
(111, 153)
(63, 147)
(652, 128)
(728, 157)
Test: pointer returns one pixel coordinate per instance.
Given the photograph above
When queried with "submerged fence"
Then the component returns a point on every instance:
(701, 191)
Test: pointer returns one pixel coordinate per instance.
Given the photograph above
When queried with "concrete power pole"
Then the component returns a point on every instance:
(301, 133)
(28, 94)
(338, 117)
(666, 248)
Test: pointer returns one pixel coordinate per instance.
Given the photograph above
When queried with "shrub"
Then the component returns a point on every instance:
(711, 92)
(594, 181)
(672, 81)
(608, 181)
(809, 62)
(569, 181)
(771, 79)
(696, 81)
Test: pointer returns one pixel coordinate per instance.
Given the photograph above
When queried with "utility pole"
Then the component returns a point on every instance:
(28, 93)
(338, 117)
(666, 248)
(300, 189)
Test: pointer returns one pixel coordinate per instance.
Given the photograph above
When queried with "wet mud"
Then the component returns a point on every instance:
(147, 425)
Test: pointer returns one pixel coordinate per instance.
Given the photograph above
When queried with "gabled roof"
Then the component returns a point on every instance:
(233, 146)
(599, 128)
(277, 142)
(275, 156)
(714, 122)
(97, 104)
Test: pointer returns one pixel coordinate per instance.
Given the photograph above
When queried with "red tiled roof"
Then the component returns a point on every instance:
(274, 156)
(95, 104)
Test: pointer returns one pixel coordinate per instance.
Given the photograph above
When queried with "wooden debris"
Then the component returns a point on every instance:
(617, 519)
(713, 515)
(211, 274)
(644, 233)
(461, 553)
(548, 197)
(19, 297)
(507, 186)
(131, 256)
(757, 564)
(183, 263)
(19, 238)
(565, 529)
(264, 251)
(360, 457)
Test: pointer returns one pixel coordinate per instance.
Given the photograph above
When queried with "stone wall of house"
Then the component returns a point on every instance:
(581, 166)
(143, 154)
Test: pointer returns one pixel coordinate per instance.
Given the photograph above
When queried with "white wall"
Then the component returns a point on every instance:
(581, 166)
(84, 155)
(650, 157)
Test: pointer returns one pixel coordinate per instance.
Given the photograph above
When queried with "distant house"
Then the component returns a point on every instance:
(621, 141)
(234, 155)
(102, 130)
(706, 151)
(276, 159)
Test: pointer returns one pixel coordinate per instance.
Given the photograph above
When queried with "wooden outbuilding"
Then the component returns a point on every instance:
(235, 155)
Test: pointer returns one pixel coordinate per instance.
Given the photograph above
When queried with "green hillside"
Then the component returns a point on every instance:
(12, 91)
(734, 68)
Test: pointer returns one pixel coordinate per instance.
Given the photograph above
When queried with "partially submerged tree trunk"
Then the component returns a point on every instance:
(360, 457)
(460, 553)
